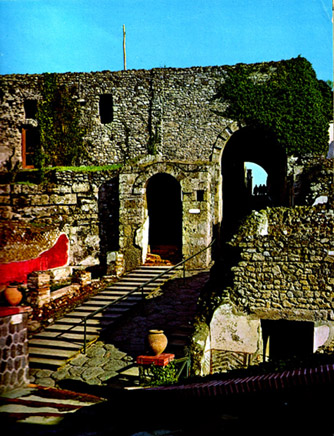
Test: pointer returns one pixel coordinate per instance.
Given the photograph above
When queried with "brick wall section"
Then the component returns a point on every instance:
(286, 267)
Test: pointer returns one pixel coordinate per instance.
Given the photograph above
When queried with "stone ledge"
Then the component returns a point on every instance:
(67, 290)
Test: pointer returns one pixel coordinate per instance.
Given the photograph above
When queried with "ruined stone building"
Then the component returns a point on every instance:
(180, 184)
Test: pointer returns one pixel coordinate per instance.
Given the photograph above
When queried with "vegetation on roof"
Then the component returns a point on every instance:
(285, 98)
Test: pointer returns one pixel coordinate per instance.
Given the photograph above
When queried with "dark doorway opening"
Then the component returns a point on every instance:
(286, 339)
(165, 217)
(30, 144)
(258, 146)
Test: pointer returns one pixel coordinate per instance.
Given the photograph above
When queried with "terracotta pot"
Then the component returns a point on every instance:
(157, 341)
(13, 295)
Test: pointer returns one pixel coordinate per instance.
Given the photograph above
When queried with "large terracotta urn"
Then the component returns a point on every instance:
(157, 341)
(13, 295)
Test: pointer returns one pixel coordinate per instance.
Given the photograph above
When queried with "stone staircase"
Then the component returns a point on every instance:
(60, 341)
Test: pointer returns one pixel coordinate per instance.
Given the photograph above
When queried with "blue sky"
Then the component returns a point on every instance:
(86, 35)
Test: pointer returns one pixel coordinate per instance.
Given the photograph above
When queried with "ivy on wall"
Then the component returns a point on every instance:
(61, 134)
(284, 97)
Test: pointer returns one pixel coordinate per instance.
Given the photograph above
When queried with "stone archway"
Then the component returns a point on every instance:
(250, 145)
(164, 205)
(197, 185)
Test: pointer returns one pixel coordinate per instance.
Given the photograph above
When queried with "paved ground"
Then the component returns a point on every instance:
(112, 357)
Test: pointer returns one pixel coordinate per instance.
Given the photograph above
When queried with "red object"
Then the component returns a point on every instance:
(55, 257)
(8, 311)
(161, 360)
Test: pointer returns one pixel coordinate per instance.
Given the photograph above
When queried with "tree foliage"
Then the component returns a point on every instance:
(284, 97)
(61, 133)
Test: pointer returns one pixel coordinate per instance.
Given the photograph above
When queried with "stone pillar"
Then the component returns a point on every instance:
(115, 263)
(14, 357)
(38, 288)
(83, 278)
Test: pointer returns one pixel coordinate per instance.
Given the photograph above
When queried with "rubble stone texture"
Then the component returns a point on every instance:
(14, 370)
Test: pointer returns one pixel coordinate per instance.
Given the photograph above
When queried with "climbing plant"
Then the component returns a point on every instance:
(284, 97)
(61, 133)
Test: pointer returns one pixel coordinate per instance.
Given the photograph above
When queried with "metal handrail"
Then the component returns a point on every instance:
(138, 288)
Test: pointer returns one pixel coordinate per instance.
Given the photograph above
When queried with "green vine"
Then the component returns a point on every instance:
(285, 98)
(61, 133)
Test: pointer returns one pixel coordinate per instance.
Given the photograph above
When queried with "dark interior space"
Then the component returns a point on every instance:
(106, 108)
(287, 339)
(165, 216)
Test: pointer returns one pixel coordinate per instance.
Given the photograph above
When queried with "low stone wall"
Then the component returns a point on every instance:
(81, 205)
(14, 355)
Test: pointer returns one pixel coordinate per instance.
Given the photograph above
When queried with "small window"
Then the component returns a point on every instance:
(30, 108)
(200, 195)
(106, 108)
(30, 143)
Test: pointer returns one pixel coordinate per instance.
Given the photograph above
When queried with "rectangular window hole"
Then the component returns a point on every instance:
(30, 109)
(106, 108)
(200, 195)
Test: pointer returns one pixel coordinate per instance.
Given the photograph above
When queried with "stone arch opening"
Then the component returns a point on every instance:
(164, 205)
(259, 146)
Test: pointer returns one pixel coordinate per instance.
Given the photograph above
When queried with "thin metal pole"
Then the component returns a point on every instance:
(85, 324)
(124, 48)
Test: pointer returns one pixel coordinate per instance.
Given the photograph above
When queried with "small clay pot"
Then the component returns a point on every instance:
(13, 295)
(157, 341)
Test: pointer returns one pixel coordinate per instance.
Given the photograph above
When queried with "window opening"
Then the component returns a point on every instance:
(30, 143)
(30, 109)
(200, 195)
(106, 108)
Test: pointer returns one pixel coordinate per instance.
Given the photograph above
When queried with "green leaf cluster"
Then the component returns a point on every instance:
(284, 98)
(61, 132)
(163, 375)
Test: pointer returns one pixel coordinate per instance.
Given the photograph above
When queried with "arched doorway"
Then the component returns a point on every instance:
(164, 206)
(260, 147)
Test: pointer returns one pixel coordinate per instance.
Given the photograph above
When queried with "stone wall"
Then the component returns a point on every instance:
(104, 214)
(286, 264)
(279, 267)
(14, 356)
(167, 111)
(198, 216)
(73, 203)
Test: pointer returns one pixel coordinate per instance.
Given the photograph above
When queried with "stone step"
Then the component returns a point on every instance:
(72, 336)
(103, 301)
(42, 362)
(80, 328)
(76, 320)
(54, 353)
(60, 340)
(46, 343)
